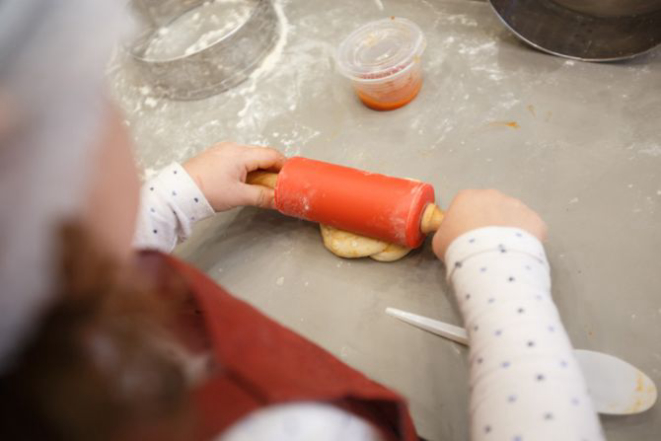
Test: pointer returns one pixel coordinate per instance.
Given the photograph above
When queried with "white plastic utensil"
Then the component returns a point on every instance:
(616, 387)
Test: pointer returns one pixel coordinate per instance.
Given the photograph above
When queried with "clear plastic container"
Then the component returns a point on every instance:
(382, 59)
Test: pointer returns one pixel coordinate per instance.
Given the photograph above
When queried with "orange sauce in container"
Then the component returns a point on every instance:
(392, 95)
(382, 59)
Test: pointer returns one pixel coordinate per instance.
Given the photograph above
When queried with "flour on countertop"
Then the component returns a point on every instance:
(462, 19)
(274, 57)
(651, 150)
(254, 103)
(489, 47)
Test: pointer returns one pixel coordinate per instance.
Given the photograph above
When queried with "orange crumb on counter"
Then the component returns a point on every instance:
(511, 124)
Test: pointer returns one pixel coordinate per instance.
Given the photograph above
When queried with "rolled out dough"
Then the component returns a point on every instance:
(352, 246)
(391, 253)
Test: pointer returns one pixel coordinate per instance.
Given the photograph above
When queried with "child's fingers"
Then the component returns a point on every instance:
(264, 158)
(258, 196)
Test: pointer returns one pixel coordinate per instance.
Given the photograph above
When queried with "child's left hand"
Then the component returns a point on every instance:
(220, 172)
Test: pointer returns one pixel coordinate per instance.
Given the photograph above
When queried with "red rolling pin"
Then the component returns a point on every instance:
(392, 209)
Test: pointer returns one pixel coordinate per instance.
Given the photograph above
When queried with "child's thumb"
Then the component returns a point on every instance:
(259, 196)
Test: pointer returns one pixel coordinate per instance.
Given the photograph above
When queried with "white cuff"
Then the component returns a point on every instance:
(171, 203)
(487, 239)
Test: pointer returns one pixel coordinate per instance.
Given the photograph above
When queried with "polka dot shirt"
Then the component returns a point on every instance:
(525, 383)
(170, 204)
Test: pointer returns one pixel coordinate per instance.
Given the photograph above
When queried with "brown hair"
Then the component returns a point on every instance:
(91, 370)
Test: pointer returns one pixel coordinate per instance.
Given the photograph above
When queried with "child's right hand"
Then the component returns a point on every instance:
(472, 209)
(220, 172)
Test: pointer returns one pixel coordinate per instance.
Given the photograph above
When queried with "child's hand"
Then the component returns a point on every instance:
(220, 173)
(472, 209)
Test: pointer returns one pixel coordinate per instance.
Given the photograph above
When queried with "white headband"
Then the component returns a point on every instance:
(52, 62)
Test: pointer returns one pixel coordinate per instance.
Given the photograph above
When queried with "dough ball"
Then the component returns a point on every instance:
(349, 245)
(391, 253)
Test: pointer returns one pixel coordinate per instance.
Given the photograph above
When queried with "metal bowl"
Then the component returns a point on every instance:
(589, 30)
(192, 49)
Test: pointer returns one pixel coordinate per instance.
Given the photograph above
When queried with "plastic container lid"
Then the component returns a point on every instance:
(380, 49)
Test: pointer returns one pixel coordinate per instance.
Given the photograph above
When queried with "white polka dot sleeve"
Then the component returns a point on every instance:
(525, 382)
(170, 204)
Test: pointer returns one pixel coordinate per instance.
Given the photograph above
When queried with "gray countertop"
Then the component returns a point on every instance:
(578, 142)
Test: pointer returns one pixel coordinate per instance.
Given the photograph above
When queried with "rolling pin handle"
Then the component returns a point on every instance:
(431, 219)
(263, 178)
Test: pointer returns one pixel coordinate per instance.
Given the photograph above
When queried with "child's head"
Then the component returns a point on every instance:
(64, 152)
(70, 333)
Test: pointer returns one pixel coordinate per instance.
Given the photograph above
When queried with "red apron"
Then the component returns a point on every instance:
(262, 363)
